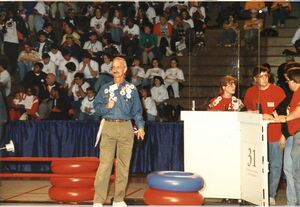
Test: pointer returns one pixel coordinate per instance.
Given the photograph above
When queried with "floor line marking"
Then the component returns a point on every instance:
(133, 192)
(26, 192)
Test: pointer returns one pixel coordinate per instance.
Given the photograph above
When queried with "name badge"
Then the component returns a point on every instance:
(270, 104)
(113, 87)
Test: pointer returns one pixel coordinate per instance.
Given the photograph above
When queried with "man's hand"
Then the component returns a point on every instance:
(110, 104)
(280, 118)
(268, 117)
(141, 134)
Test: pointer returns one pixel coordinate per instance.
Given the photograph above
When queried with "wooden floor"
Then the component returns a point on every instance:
(27, 192)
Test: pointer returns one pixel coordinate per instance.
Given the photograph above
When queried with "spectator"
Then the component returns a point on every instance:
(44, 96)
(163, 31)
(78, 91)
(48, 29)
(48, 65)
(116, 26)
(72, 18)
(159, 94)
(130, 39)
(174, 76)
(109, 48)
(148, 104)
(198, 13)
(3, 114)
(226, 101)
(252, 27)
(69, 30)
(154, 71)
(178, 39)
(62, 66)
(256, 5)
(97, 22)
(71, 71)
(5, 79)
(93, 46)
(55, 54)
(228, 35)
(141, 18)
(105, 75)
(137, 72)
(150, 11)
(72, 46)
(26, 59)
(87, 108)
(280, 11)
(43, 44)
(190, 31)
(60, 106)
(25, 105)
(41, 14)
(148, 48)
(35, 78)
(89, 68)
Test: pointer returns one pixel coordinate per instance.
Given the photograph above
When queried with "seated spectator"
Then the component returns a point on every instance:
(256, 5)
(137, 72)
(105, 75)
(148, 104)
(141, 18)
(93, 46)
(69, 30)
(55, 54)
(159, 94)
(97, 23)
(280, 11)
(60, 105)
(252, 27)
(48, 65)
(43, 44)
(152, 72)
(190, 31)
(87, 111)
(75, 49)
(147, 44)
(89, 68)
(77, 91)
(44, 95)
(48, 29)
(226, 101)
(174, 76)
(26, 59)
(198, 13)
(72, 18)
(5, 79)
(228, 35)
(150, 11)
(178, 39)
(71, 68)
(163, 31)
(130, 39)
(35, 78)
(109, 48)
(25, 106)
(63, 71)
(116, 26)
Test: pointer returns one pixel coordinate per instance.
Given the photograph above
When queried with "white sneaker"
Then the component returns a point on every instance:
(272, 201)
(179, 54)
(119, 204)
(97, 205)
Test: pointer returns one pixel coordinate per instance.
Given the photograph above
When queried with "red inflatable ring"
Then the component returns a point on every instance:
(72, 182)
(71, 194)
(161, 197)
(73, 166)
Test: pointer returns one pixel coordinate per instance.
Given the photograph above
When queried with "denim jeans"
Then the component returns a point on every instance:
(295, 154)
(275, 161)
(24, 68)
(86, 116)
(287, 168)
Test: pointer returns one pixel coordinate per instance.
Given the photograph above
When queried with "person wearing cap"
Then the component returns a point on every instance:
(252, 28)
(226, 101)
(118, 102)
(89, 68)
(266, 98)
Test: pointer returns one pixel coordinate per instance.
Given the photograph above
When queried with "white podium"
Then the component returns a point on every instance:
(229, 150)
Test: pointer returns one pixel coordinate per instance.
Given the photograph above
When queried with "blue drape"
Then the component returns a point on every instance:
(162, 148)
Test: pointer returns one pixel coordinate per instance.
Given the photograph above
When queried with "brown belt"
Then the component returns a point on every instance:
(115, 120)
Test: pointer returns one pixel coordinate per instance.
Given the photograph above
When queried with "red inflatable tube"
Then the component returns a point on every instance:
(161, 197)
(74, 166)
(73, 182)
(71, 194)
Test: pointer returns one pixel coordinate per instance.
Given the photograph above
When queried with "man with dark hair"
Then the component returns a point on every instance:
(264, 97)
(60, 106)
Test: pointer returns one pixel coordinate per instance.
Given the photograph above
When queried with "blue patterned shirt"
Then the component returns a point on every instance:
(127, 103)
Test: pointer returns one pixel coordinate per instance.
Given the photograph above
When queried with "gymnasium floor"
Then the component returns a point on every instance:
(27, 192)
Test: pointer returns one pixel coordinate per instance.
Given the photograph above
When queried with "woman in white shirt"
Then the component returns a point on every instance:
(174, 76)
(154, 71)
(87, 111)
(148, 104)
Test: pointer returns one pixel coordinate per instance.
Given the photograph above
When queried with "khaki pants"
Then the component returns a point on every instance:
(117, 139)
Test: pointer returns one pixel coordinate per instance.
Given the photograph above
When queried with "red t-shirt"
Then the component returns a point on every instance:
(294, 125)
(269, 99)
(225, 104)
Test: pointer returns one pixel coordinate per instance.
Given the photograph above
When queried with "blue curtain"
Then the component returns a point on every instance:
(162, 148)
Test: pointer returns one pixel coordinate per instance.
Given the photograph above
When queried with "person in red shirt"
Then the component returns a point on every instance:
(226, 101)
(265, 98)
(293, 122)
